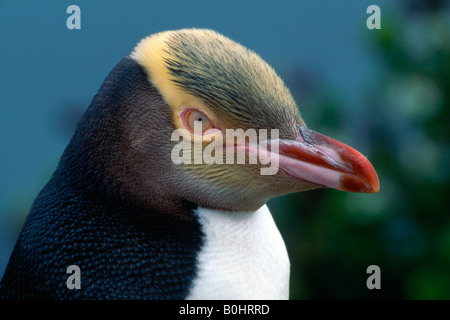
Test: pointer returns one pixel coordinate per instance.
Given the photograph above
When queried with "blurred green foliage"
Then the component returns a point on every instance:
(332, 237)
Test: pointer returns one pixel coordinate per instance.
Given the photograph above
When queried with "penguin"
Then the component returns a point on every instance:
(136, 224)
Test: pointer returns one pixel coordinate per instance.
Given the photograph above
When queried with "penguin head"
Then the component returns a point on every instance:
(208, 84)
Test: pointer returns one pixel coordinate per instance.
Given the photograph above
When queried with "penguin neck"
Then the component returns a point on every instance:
(109, 152)
(243, 257)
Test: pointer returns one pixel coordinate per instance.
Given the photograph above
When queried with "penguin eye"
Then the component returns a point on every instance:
(191, 116)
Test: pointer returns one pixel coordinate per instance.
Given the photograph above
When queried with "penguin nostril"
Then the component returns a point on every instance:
(302, 137)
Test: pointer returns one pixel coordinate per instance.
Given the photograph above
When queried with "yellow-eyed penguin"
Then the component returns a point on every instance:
(140, 224)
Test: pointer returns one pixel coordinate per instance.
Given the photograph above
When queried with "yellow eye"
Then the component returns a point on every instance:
(196, 121)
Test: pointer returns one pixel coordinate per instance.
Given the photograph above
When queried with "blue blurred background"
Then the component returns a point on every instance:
(384, 92)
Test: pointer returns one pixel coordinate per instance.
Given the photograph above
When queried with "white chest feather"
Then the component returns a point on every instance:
(244, 257)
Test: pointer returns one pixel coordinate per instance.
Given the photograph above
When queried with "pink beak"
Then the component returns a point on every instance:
(327, 162)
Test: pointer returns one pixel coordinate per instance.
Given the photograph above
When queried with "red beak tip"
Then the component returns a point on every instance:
(375, 187)
(356, 184)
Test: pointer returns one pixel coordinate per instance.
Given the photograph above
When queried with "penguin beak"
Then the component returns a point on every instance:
(327, 162)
